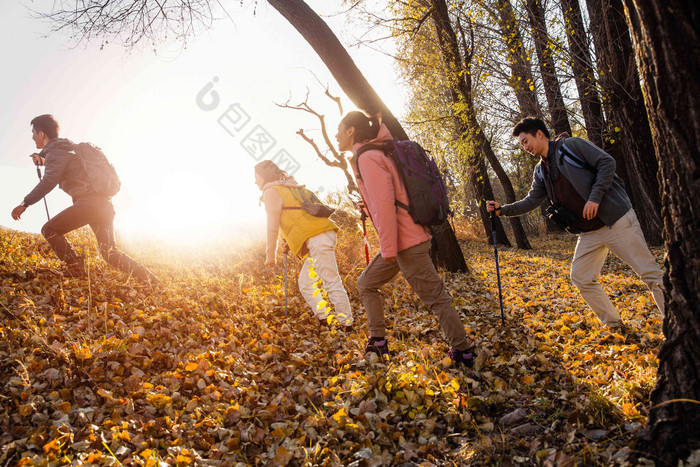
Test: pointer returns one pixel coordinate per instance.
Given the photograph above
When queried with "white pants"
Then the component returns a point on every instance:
(322, 259)
(626, 240)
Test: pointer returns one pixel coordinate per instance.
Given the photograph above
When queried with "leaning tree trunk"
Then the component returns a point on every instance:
(628, 125)
(325, 43)
(351, 80)
(521, 79)
(552, 90)
(582, 67)
(522, 82)
(479, 178)
(667, 41)
(550, 83)
(518, 231)
(459, 78)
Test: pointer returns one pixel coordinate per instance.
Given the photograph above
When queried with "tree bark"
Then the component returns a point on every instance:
(667, 45)
(461, 93)
(518, 231)
(522, 82)
(552, 90)
(325, 43)
(351, 80)
(582, 67)
(630, 139)
(521, 79)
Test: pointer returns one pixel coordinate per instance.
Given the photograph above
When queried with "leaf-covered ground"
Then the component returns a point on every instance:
(207, 369)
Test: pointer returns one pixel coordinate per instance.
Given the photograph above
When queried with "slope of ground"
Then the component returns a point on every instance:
(207, 369)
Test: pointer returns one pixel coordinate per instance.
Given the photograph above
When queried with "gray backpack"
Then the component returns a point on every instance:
(100, 172)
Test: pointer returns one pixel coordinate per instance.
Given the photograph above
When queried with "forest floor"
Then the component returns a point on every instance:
(206, 369)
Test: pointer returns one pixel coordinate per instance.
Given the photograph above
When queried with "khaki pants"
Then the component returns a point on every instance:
(418, 269)
(322, 258)
(626, 241)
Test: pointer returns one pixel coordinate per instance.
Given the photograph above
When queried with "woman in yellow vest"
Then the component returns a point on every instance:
(311, 238)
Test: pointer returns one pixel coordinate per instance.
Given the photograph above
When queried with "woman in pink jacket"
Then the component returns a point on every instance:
(404, 245)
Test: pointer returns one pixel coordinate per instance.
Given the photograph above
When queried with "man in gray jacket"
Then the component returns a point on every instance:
(65, 170)
(580, 177)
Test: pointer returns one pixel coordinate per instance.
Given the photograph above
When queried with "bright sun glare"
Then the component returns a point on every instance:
(184, 178)
(185, 207)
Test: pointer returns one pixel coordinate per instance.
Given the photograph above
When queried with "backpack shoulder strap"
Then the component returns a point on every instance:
(290, 189)
(567, 155)
(385, 148)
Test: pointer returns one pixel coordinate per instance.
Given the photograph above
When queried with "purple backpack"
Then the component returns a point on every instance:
(427, 196)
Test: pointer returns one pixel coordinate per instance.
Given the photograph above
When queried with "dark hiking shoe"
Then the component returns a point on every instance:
(629, 334)
(377, 345)
(74, 269)
(145, 277)
(463, 357)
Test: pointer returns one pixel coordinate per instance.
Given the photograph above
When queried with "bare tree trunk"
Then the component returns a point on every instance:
(667, 40)
(515, 223)
(482, 190)
(461, 93)
(582, 66)
(628, 125)
(351, 80)
(552, 90)
(521, 79)
(325, 43)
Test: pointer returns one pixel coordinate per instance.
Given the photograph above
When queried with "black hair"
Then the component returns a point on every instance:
(46, 123)
(366, 128)
(530, 125)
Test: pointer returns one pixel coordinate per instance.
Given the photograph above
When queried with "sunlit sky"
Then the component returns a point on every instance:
(185, 174)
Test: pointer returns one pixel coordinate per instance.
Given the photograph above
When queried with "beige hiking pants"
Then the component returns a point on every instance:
(322, 259)
(418, 269)
(626, 241)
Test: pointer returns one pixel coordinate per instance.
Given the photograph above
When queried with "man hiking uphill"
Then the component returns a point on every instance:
(65, 169)
(588, 201)
(404, 245)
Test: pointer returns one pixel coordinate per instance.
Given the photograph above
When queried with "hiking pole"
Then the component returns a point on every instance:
(38, 172)
(286, 255)
(498, 273)
(363, 217)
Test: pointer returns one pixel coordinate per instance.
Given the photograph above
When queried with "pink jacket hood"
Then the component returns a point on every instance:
(380, 186)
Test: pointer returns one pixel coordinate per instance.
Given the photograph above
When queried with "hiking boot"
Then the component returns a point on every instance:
(144, 276)
(377, 345)
(75, 268)
(463, 357)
